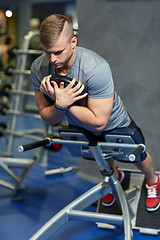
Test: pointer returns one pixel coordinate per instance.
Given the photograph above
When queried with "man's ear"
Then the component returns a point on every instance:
(74, 42)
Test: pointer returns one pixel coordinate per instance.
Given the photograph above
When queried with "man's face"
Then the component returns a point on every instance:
(60, 54)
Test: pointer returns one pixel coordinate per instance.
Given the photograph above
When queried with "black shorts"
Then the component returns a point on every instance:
(137, 137)
(141, 138)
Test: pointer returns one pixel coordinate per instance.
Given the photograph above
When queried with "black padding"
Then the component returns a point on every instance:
(134, 132)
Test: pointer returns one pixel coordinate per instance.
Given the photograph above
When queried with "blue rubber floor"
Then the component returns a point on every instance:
(45, 196)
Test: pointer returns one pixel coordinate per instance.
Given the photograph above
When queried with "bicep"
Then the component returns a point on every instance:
(101, 108)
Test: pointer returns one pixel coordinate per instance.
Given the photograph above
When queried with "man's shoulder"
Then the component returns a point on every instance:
(89, 60)
(89, 53)
(41, 60)
(40, 65)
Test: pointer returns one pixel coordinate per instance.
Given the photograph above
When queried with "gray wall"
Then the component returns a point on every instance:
(127, 34)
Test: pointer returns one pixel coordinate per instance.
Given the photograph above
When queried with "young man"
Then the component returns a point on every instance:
(100, 109)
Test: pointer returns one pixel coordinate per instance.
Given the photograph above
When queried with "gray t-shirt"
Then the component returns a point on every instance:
(94, 72)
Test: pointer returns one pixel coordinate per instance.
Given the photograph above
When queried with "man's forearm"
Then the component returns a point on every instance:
(51, 115)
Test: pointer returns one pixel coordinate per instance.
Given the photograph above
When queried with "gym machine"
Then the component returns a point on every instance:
(122, 144)
(17, 91)
(20, 75)
(9, 165)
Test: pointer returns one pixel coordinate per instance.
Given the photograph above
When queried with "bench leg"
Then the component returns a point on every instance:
(74, 211)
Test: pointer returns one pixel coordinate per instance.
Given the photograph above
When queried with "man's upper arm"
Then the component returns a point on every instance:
(101, 108)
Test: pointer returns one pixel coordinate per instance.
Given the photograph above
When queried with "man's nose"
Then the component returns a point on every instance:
(53, 58)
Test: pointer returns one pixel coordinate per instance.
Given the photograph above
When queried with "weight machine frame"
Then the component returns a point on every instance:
(101, 151)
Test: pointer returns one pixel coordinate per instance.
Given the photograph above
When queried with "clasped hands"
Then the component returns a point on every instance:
(63, 96)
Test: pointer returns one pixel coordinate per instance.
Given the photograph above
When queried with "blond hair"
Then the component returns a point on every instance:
(53, 26)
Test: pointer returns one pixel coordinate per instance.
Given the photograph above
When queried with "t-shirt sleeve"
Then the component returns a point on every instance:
(36, 79)
(100, 82)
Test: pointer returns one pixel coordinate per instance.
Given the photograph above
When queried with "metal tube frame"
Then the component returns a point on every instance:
(19, 79)
(75, 210)
(26, 164)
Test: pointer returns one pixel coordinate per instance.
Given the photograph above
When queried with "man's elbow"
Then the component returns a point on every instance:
(101, 123)
(46, 120)
(100, 127)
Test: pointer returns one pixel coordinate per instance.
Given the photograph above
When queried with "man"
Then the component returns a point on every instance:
(100, 109)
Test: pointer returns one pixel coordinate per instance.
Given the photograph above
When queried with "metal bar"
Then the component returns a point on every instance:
(102, 144)
(29, 51)
(21, 134)
(17, 112)
(98, 155)
(61, 217)
(22, 92)
(34, 130)
(60, 170)
(96, 217)
(6, 184)
(20, 66)
(16, 162)
(9, 171)
(19, 71)
(116, 187)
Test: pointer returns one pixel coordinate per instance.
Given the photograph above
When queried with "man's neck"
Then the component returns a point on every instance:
(64, 71)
